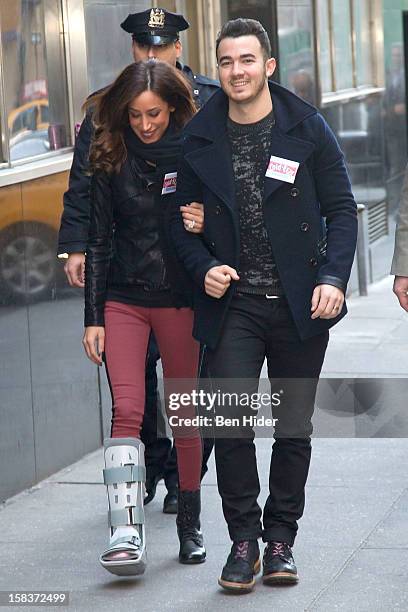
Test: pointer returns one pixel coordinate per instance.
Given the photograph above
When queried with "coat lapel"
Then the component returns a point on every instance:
(213, 165)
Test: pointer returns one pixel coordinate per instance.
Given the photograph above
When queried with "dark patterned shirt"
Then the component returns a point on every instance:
(250, 145)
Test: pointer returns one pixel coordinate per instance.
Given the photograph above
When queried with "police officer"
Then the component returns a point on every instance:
(155, 34)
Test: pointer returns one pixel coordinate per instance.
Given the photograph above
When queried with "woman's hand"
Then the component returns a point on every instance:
(94, 343)
(75, 269)
(193, 217)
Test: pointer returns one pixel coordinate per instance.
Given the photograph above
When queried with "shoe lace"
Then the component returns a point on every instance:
(241, 551)
(190, 531)
(279, 549)
(192, 534)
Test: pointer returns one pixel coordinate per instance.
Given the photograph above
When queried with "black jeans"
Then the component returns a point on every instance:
(256, 327)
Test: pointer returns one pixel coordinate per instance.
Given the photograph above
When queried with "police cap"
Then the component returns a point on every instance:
(155, 26)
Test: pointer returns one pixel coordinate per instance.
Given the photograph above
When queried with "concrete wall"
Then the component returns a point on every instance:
(49, 392)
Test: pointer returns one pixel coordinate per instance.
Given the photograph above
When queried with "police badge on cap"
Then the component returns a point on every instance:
(157, 18)
(155, 26)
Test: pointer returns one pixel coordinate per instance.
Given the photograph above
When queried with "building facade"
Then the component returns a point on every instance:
(348, 58)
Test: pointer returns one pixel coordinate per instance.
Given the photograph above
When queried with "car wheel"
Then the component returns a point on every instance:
(27, 262)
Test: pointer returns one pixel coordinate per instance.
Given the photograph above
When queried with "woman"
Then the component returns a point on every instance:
(134, 285)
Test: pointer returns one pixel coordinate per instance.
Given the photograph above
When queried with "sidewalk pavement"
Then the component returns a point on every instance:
(352, 547)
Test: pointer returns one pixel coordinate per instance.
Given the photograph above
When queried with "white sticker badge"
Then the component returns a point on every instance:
(169, 183)
(282, 169)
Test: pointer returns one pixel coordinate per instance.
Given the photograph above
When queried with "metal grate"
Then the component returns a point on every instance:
(377, 221)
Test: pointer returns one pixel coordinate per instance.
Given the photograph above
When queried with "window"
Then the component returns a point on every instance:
(296, 53)
(362, 19)
(45, 115)
(342, 45)
(105, 61)
(346, 51)
(34, 78)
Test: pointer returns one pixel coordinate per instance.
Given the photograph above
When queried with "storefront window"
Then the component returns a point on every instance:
(324, 46)
(363, 43)
(262, 10)
(347, 55)
(109, 48)
(395, 105)
(295, 33)
(34, 77)
(342, 45)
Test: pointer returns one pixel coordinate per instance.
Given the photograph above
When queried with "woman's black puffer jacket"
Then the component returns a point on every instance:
(129, 243)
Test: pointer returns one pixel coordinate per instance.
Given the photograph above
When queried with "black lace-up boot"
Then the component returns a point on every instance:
(170, 503)
(278, 564)
(242, 563)
(188, 527)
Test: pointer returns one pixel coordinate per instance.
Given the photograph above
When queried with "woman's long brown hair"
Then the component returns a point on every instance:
(109, 108)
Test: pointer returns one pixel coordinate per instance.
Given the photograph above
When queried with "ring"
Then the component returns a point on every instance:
(191, 224)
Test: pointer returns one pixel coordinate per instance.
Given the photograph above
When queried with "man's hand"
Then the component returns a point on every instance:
(327, 302)
(218, 279)
(94, 343)
(75, 269)
(401, 290)
(193, 217)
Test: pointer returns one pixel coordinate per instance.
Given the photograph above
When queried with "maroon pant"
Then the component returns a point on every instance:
(127, 331)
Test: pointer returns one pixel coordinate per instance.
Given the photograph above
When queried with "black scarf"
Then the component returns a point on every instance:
(165, 152)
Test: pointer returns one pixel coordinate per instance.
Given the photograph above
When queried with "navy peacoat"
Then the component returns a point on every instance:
(311, 224)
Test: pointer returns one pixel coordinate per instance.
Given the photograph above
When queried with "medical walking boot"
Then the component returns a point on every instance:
(124, 476)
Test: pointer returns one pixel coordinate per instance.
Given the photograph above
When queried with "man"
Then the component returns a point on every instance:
(400, 260)
(268, 170)
(155, 34)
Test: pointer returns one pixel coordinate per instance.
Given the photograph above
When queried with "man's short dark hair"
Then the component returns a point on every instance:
(245, 27)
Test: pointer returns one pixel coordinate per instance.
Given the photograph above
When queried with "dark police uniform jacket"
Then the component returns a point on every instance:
(293, 213)
(73, 234)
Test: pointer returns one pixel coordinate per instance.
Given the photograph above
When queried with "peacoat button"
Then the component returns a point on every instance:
(212, 244)
(218, 210)
(294, 192)
(304, 227)
(313, 261)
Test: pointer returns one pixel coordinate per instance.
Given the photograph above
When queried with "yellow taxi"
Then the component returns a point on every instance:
(31, 116)
(30, 215)
(28, 129)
